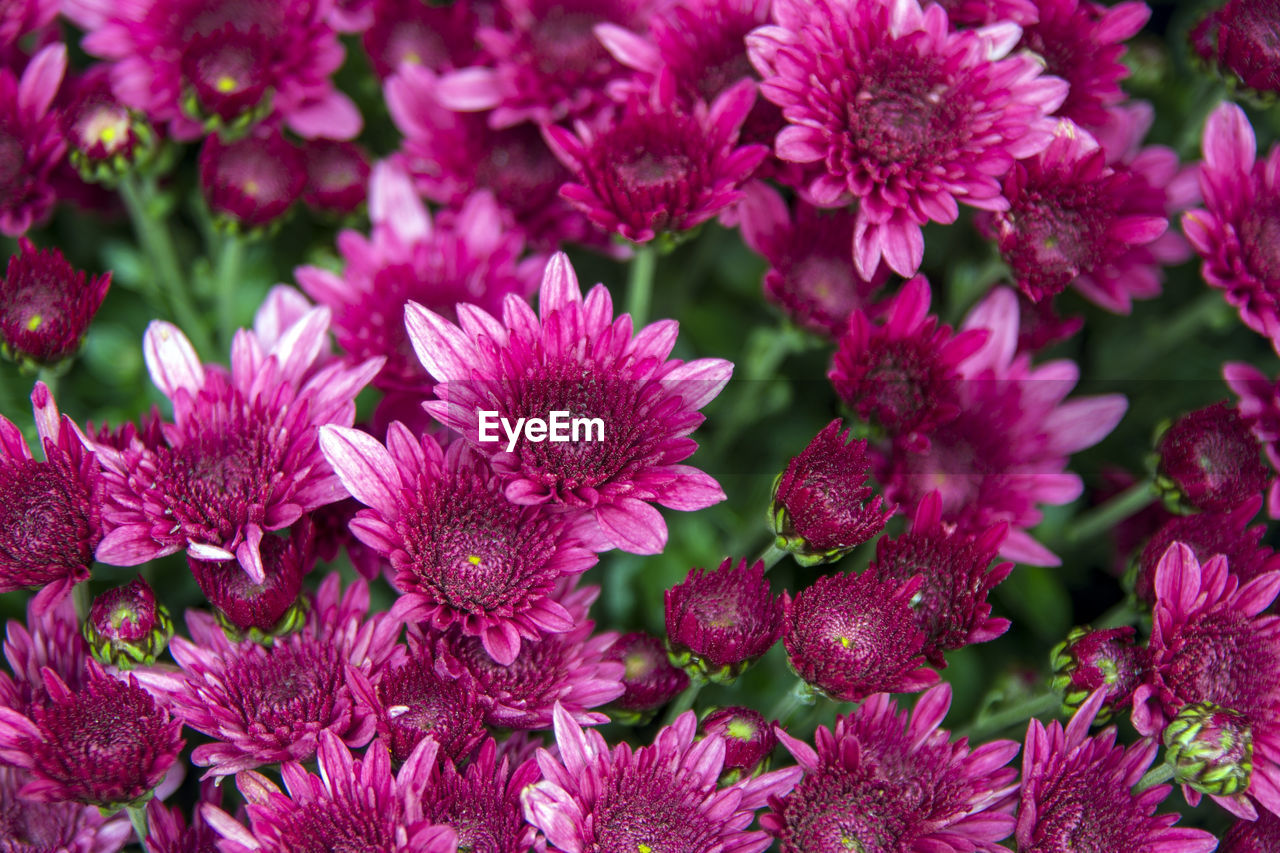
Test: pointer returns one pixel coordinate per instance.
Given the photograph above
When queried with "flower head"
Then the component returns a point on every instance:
(32, 826)
(168, 830)
(1259, 404)
(649, 678)
(659, 797)
(1252, 836)
(434, 37)
(884, 781)
(104, 137)
(1077, 794)
(1237, 37)
(718, 622)
(482, 803)
(1210, 748)
(573, 357)
(901, 113)
(337, 176)
(748, 741)
(31, 144)
(853, 635)
(251, 182)
(51, 640)
(127, 626)
(1106, 661)
(46, 305)
(1210, 460)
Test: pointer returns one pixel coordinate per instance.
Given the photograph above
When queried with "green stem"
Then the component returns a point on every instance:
(80, 598)
(989, 724)
(230, 263)
(49, 377)
(1153, 777)
(685, 700)
(799, 696)
(168, 280)
(1102, 518)
(138, 817)
(771, 555)
(1203, 312)
(640, 283)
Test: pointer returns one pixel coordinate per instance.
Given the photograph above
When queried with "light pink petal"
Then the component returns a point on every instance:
(249, 554)
(1229, 144)
(364, 466)
(171, 360)
(445, 352)
(628, 48)
(335, 116)
(394, 202)
(1083, 422)
(559, 286)
(633, 526)
(40, 80)
(469, 90)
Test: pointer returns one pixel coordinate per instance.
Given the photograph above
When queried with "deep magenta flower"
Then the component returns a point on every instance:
(1106, 662)
(107, 743)
(649, 679)
(572, 668)
(51, 511)
(337, 176)
(264, 705)
(437, 38)
(1211, 460)
(203, 65)
(951, 604)
(482, 803)
(46, 305)
(651, 167)
(748, 740)
(901, 374)
(31, 826)
(884, 781)
(266, 608)
(251, 182)
(1209, 643)
(822, 507)
(1252, 836)
(352, 805)
(1077, 793)
(980, 13)
(850, 636)
(50, 640)
(718, 622)
(169, 831)
(31, 142)
(25, 16)
(126, 626)
(574, 357)
(904, 114)
(241, 457)
(1259, 404)
(104, 137)
(658, 797)
(1238, 37)
(470, 258)
(1231, 233)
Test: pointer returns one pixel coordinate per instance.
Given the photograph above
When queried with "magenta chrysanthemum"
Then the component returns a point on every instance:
(470, 258)
(651, 167)
(1253, 836)
(196, 63)
(126, 626)
(1211, 460)
(352, 805)
(1107, 662)
(50, 640)
(482, 803)
(337, 176)
(409, 32)
(1240, 37)
(1259, 405)
(50, 511)
(265, 705)
(31, 826)
(168, 830)
(574, 357)
(31, 144)
(242, 455)
(266, 607)
(1077, 794)
(884, 782)
(1210, 643)
(748, 739)
(107, 743)
(723, 619)
(649, 678)
(252, 181)
(904, 114)
(1234, 232)
(659, 797)
(853, 635)
(46, 305)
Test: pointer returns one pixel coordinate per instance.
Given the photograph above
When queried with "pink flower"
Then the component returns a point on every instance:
(206, 64)
(718, 622)
(657, 797)
(46, 305)
(241, 457)
(32, 825)
(438, 38)
(31, 142)
(482, 803)
(1107, 662)
(252, 182)
(168, 830)
(573, 356)
(1232, 232)
(1260, 405)
(337, 176)
(1252, 836)
(50, 640)
(649, 678)
(1238, 37)
(470, 257)
(1209, 459)
(905, 115)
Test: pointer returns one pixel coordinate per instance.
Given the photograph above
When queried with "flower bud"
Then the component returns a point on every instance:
(272, 608)
(719, 622)
(46, 306)
(1088, 660)
(1211, 749)
(1209, 460)
(250, 184)
(650, 679)
(748, 741)
(105, 139)
(127, 626)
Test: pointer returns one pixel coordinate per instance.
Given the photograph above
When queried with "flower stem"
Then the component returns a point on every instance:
(640, 283)
(138, 817)
(1153, 777)
(230, 262)
(685, 700)
(49, 376)
(1101, 519)
(986, 724)
(771, 555)
(799, 696)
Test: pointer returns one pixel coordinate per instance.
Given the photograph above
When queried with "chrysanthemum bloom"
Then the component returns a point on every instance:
(252, 182)
(242, 456)
(482, 803)
(462, 553)
(1040, 326)
(471, 258)
(1210, 644)
(25, 16)
(650, 681)
(337, 176)
(127, 626)
(957, 575)
(108, 743)
(50, 640)
(1232, 233)
(748, 741)
(168, 830)
(811, 275)
(572, 668)
(1206, 534)
(46, 305)
(853, 635)
(31, 826)
(544, 63)
(1106, 662)
(719, 622)
(51, 511)
(907, 116)
(1210, 460)
(651, 167)
(822, 507)
(439, 38)
(202, 65)
(1077, 794)
(1238, 37)
(1006, 452)
(105, 138)
(882, 781)
(262, 609)
(1252, 836)
(659, 797)
(265, 705)
(413, 700)
(352, 805)
(902, 374)
(31, 142)
(574, 357)
(1259, 405)
(980, 13)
